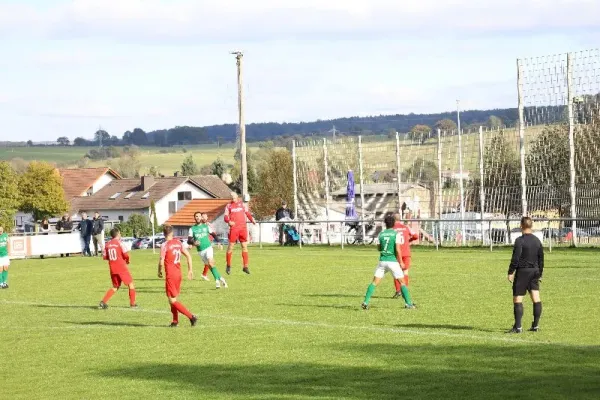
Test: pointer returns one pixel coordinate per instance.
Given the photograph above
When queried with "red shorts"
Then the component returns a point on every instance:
(121, 277)
(406, 261)
(240, 234)
(173, 286)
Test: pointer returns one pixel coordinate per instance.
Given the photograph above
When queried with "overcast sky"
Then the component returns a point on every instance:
(67, 67)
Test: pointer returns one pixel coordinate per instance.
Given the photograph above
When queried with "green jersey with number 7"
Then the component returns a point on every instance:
(387, 245)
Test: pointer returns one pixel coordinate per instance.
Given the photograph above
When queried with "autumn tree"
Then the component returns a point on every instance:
(9, 195)
(276, 184)
(41, 191)
(447, 126)
(419, 133)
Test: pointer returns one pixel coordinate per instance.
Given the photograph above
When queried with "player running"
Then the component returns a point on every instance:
(170, 258)
(116, 254)
(199, 236)
(390, 259)
(236, 213)
(406, 237)
(4, 260)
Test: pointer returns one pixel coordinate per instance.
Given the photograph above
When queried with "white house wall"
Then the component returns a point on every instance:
(102, 182)
(162, 205)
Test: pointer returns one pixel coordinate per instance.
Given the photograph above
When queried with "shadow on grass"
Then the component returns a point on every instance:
(411, 372)
(335, 306)
(107, 323)
(339, 295)
(65, 306)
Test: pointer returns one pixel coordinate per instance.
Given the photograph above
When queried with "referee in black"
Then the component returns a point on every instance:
(525, 274)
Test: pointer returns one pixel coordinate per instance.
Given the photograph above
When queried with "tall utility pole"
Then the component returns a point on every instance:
(242, 127)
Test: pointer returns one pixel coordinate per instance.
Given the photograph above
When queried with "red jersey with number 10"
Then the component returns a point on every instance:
(407, 236)
(115, 253)
(237, 212)
(170, 255)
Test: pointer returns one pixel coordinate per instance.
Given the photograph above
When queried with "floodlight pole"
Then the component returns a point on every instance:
(242, 127)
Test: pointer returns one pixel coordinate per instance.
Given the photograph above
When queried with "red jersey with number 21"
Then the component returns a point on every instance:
(170, 254)
(115, 253)
(237, 212)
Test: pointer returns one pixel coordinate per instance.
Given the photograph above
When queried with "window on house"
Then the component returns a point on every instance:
(172, 207)
(114, 196)
(130, 195)
(120, 218)
(146, 195)
(184, 196)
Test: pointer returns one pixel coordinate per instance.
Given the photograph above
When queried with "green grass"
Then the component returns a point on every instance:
(293, 330)
(149, 156)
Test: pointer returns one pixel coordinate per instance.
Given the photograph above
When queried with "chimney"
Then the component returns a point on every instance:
(147, 182)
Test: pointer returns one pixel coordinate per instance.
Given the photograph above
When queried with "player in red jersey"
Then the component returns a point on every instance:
(407, 236)
(236, 213)
(170, 258)
(116, 254)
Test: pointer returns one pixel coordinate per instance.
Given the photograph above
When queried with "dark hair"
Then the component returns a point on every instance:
(167, 230)
(196, 213)
(114, 232)
(526, 223)
(389, 221)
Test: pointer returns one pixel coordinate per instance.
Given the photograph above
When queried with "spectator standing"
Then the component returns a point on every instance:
(283, 214)
(98, 233)
(64, 225)
(85, 232)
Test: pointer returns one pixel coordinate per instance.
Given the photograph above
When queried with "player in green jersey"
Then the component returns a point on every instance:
(199, 236)
(4, 260)
(390, 259)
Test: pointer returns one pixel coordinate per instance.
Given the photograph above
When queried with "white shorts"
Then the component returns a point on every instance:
(391, 266)
(206, 254)
(4, 261)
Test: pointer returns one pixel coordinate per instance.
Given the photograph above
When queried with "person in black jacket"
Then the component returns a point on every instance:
(85, 232)
(283, 213)
(525, 274)
(64, 225)
(98, 233)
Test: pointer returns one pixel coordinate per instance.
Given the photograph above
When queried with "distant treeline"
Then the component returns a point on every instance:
(280, 133)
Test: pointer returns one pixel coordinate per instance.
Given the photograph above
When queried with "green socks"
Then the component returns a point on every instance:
(215, 273)
(370, 291)
(406, 295)
(3, 276)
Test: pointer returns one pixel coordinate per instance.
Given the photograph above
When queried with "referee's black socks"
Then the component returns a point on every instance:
(537, 313)
(518, 310)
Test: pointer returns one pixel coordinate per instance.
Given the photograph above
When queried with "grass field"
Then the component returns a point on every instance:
(294, 330)
(149, 156)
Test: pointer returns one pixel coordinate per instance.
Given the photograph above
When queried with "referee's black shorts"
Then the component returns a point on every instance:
(526, 280)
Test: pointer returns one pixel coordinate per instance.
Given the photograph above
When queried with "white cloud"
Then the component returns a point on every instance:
(243, 20)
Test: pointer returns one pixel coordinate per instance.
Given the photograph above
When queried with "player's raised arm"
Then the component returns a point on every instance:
(188, 257)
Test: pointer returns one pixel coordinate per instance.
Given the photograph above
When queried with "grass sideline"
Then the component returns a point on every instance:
(294, 330)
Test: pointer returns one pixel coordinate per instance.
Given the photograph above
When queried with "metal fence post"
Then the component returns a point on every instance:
(440, 182)
(361, 183)
(295, 179)
(481, 182)
(571, 147)
(522, 136)
(342, 234)
(461, 183)
(490, 235)
(260, 233)
(326, 167)
(300, 234)
(398, 172)
(549, 237)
